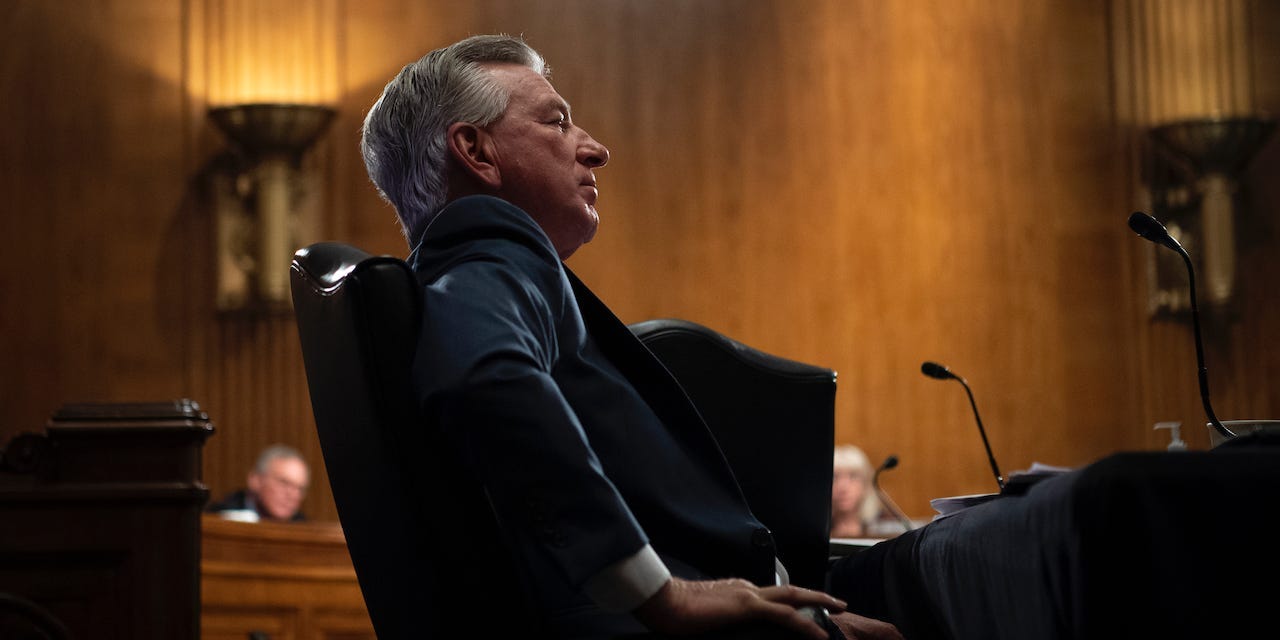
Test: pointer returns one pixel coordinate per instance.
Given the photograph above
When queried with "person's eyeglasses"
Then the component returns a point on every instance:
(288, 484)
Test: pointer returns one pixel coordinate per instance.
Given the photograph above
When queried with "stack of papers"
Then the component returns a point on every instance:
(955, 504)
(1017, 482)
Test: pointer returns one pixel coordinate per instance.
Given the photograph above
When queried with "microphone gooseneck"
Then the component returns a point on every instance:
(1151, 229)
(939, 372)
(889, 463)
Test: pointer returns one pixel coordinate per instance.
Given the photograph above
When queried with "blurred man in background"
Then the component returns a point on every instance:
(274, 489)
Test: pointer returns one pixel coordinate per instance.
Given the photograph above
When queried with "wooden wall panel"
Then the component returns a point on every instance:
(248, 367)
(862, 185)
(94, 297)
(1226, 66)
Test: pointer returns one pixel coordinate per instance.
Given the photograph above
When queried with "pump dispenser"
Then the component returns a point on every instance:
(1175, 435)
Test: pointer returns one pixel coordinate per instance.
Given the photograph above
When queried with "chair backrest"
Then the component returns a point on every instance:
(422, 538)
(425, 545)
(775, 421)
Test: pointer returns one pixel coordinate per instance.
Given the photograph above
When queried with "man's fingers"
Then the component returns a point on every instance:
(799, 597)
(787, 616)
(859, 628)
(684, 606)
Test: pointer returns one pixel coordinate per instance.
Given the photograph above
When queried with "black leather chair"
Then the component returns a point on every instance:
(774, 419)
(426, 549)
(424, 543)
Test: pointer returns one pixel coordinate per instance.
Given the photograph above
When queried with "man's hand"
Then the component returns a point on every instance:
(694, 606)
(856, 627)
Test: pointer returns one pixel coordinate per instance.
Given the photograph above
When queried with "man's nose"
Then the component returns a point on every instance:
(592, 153)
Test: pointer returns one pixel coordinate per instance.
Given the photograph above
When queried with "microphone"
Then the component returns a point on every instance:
(1151, 229)
(939, 372)
(889, 463)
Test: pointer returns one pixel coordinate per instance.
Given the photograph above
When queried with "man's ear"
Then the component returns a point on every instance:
(472, 148)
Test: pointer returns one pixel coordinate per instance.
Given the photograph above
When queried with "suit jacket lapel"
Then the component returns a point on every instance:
(672, 405)
(643, 369)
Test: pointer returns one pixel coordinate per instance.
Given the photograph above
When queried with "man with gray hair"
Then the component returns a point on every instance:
(274, 488)
(613, 492)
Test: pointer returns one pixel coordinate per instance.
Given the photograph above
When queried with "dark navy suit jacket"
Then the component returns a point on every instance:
(587, 447)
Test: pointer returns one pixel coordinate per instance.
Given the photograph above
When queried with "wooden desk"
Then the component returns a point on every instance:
(289, 581)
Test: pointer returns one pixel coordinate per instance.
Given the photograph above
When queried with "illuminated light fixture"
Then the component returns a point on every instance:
(1211, 154)
(258, 233)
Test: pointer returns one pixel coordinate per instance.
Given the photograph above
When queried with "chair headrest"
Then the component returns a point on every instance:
(325, 264)
(686, 334)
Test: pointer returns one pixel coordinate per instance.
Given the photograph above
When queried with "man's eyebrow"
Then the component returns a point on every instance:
(559, 104)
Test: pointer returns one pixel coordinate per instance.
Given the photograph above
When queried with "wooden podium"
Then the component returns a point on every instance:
(102, 537)
(100, 524)
(279, 581)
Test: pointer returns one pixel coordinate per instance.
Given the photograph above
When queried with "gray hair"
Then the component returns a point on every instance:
(403, 138)
(274, 452)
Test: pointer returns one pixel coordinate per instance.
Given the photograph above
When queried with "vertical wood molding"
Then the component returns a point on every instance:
(861, 184)
(247, 370)
(1179, 59)
(270, 50)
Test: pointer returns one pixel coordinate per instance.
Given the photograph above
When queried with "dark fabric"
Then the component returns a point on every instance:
(1136, 545)
(551, 401)
(419, 521)
(243, 500)
(774, 419)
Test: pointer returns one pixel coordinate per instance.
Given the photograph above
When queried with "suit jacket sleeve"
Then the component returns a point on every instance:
(499, 312)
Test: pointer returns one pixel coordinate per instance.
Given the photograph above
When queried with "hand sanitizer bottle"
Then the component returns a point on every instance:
(1175, 435)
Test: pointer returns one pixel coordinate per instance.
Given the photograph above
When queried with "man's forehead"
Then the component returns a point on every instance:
(289, 462)
(527, 83)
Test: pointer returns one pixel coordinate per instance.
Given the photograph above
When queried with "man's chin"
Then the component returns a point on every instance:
(590, 228)
(583, 235)
(281, 515)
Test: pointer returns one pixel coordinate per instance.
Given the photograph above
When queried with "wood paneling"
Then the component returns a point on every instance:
(96, 294)
(290, 581)
(1195, 59)
(864, 186)
(860, 184)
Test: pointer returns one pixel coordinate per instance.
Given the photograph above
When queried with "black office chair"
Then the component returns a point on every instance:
(423, 541)
(426, 548)
(775, 421)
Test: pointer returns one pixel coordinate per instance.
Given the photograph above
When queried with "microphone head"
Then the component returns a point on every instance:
(889, 463)
(1151, 229)
(936, 371)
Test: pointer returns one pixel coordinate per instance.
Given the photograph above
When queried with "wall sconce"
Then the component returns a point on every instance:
(258, 230)
(1194, 185)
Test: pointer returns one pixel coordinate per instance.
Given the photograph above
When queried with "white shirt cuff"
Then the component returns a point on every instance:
(627, 583)
(782, 578)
